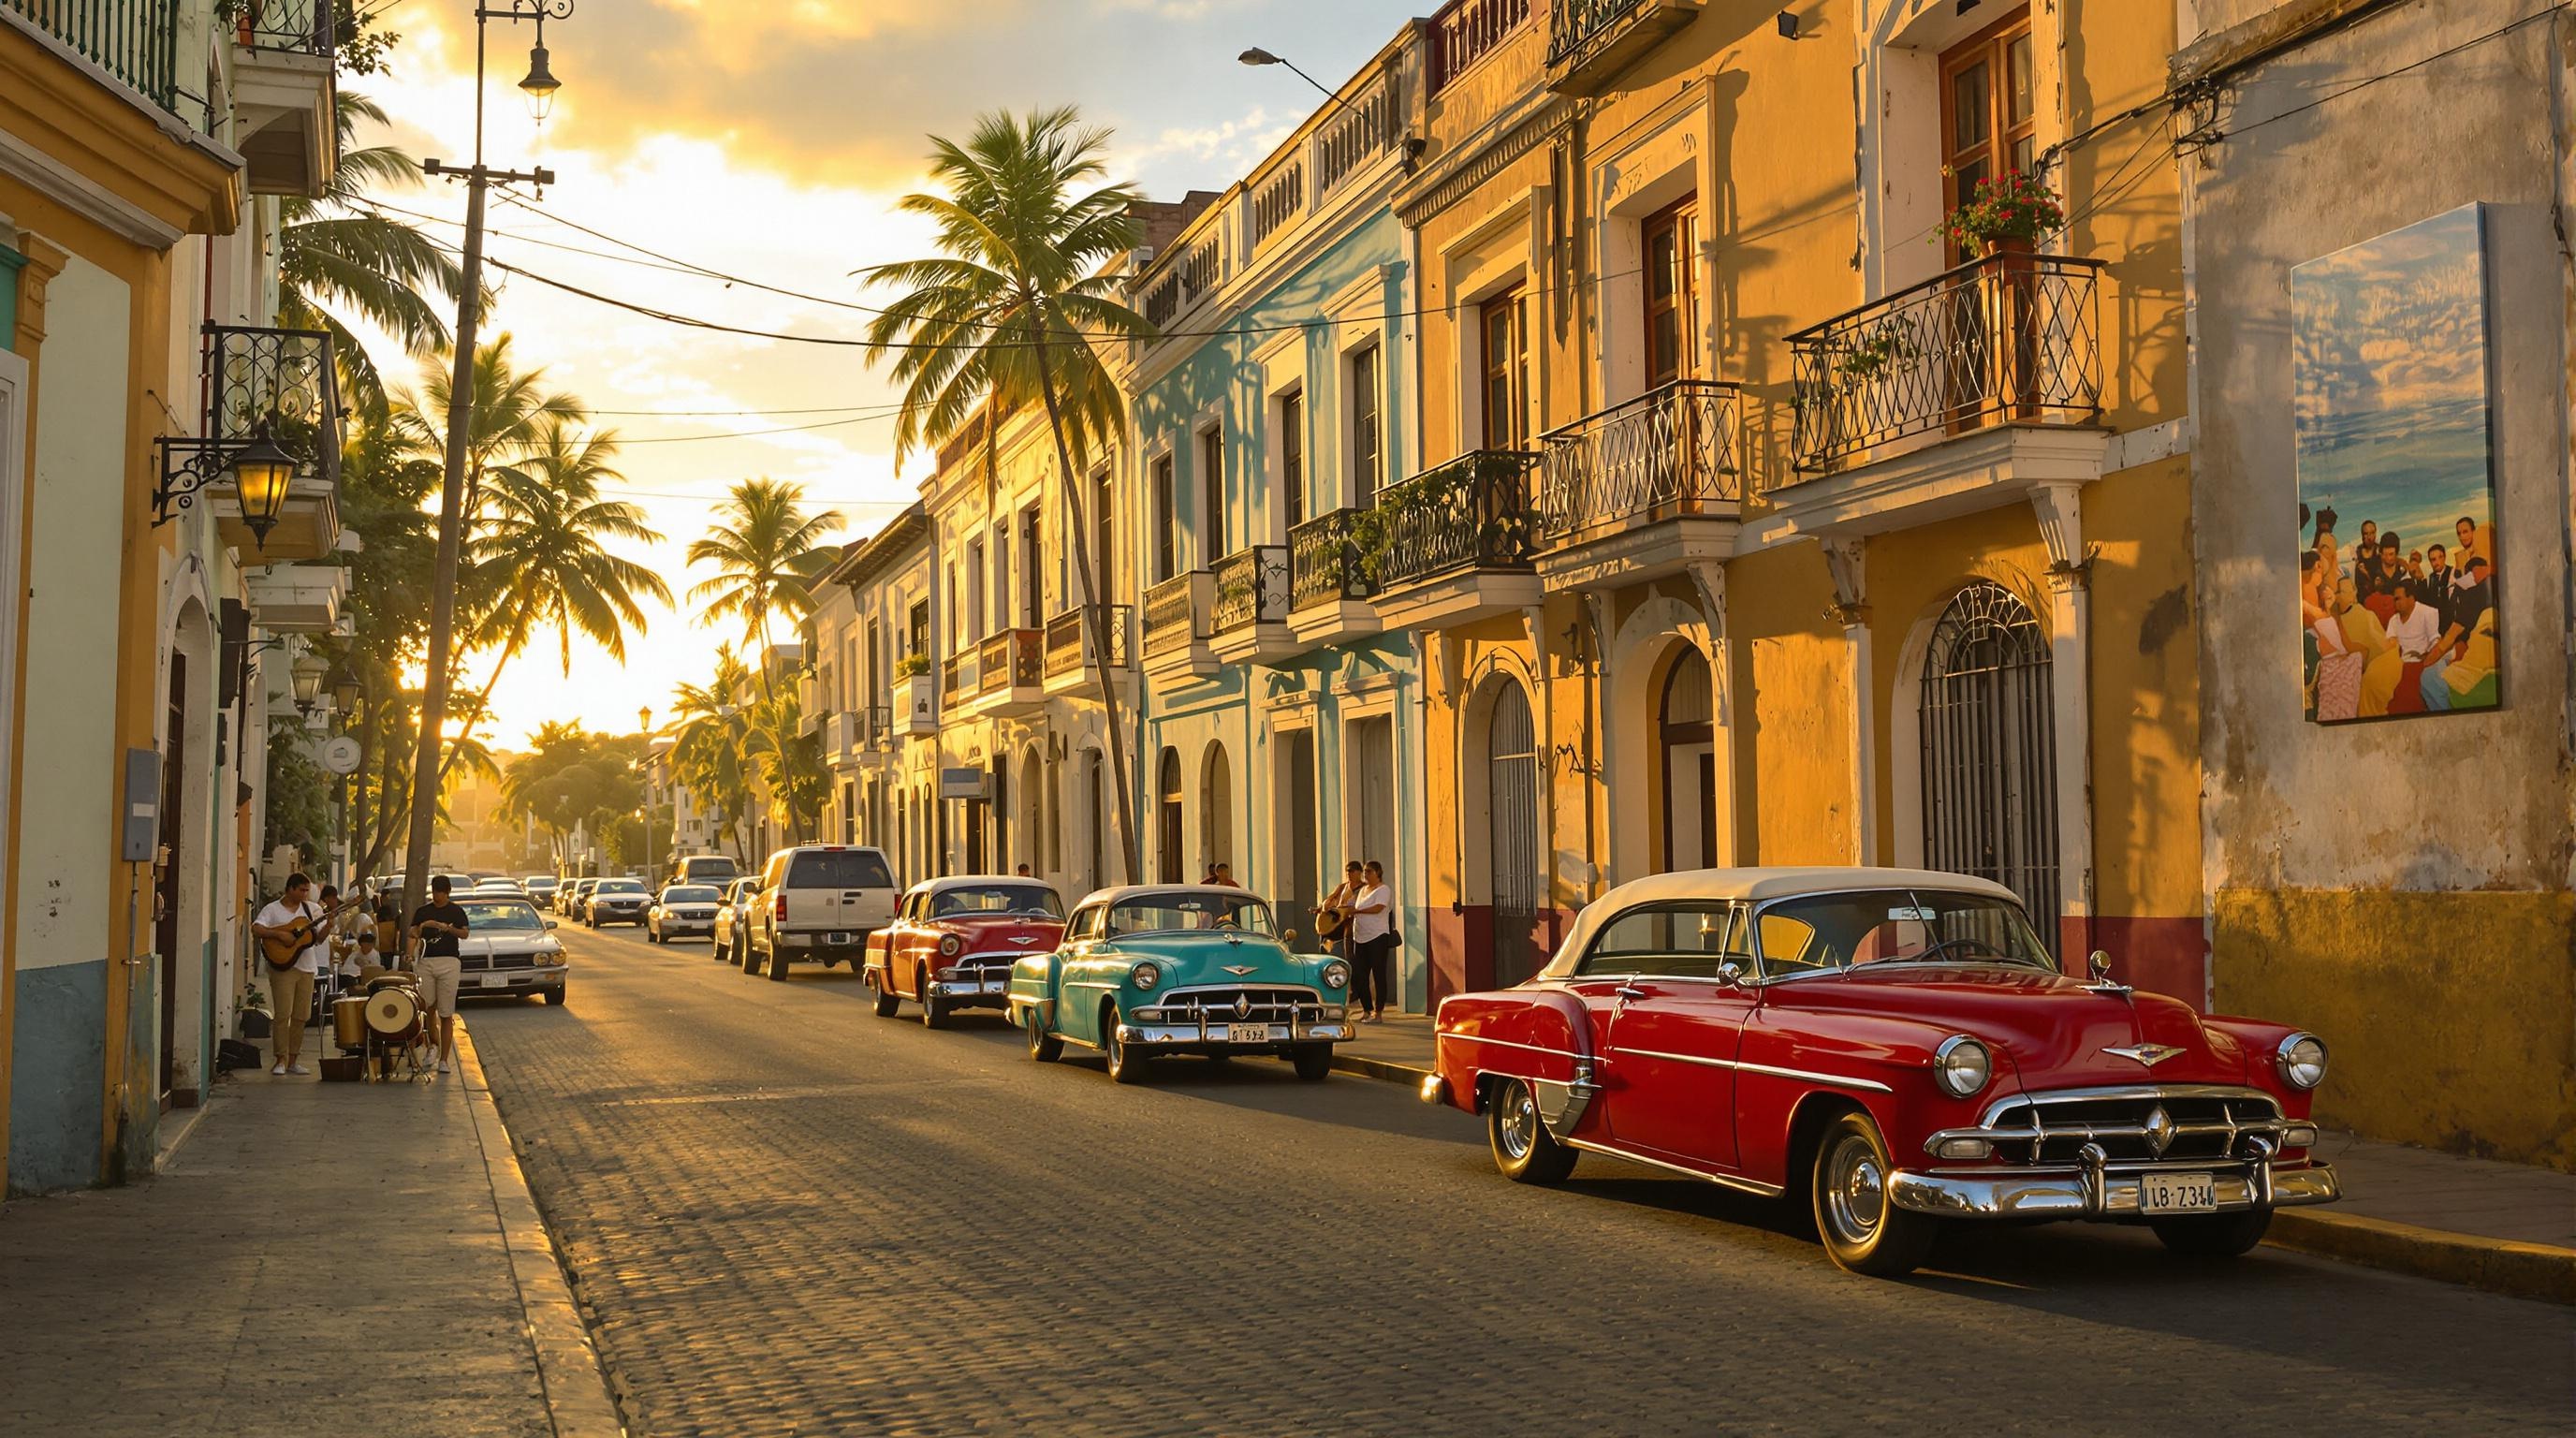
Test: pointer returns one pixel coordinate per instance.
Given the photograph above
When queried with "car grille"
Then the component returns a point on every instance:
(471, 963)
(1220, 1006)
(2145, 1125)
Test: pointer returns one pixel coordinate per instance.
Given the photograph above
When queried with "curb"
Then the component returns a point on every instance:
(576, 1384)
(2517, 1270)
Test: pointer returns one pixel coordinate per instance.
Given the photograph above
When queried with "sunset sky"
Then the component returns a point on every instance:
(770, 142)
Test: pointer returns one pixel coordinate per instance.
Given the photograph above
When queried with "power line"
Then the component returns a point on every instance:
(2364, 83)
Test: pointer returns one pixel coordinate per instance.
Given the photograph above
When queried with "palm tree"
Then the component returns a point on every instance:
(336, 250)
(790, 764)
(767, 551)
(512, 409)
(538, 557)
(710, 735)
(1007, 312)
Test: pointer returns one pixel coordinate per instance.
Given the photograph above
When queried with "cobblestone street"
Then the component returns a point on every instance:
(787, 1216)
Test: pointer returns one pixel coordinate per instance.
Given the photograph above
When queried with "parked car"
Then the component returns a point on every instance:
(507, 950)
(576, 894)
(817, 904)
(953, 941)
(1149, 970)
(1895, 1048)
(615, 901)
(682, 910)
(541, 888)
(732, 931)
(704, 869)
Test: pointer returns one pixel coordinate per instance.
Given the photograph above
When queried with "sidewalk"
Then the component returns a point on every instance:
(342, 1258)
(2501, 1226)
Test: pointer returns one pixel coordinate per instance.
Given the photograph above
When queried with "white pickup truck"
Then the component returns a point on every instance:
(817, 904)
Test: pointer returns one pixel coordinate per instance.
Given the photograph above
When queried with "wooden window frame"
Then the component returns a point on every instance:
(1365, 366)
(1993, 47)
(1512, 370)
(1166, 522)
(1211, 457)
(1681, 220)
(1292, 455)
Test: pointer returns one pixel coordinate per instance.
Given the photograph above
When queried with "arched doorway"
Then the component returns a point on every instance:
(1032, 818)
(1989, 749)
(1167, 845)
(1512, 779)
(1216, 808)
(1686, 733)
(1095, 822)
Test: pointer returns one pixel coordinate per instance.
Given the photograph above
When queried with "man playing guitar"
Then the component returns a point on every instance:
(291, 935)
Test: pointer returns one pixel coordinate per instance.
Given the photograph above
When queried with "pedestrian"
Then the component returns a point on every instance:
(290, 989)
(1023, 871)
(1333, 914)
(440, 923)
(1373, 938)
(1223, 877)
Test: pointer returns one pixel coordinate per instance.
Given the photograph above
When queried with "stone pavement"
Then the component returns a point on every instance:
(2435, 1214)
(330, 1258)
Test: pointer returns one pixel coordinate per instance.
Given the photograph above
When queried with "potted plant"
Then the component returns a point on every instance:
(2007, 214)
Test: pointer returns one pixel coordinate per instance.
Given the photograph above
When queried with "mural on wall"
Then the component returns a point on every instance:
(2397, 566)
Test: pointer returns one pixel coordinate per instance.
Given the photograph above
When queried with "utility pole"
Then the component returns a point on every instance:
(540, 87)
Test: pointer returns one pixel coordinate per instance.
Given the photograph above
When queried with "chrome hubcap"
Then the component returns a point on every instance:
(1520, 1124)
(1855, 1189)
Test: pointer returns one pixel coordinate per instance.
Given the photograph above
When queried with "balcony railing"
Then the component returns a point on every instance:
(1251, 588)
(1012, 659)
(1171, 617)
(1281, 198)
(2010, 338)
(136, 41)
(876, 723)
(1466, 31)
(303, 26)
(1068, 640)
(282, 381)
(1358, 132)
(1472, 513)
(1185, 281)
(1324, 562)
(952, 677)
(1669, 451)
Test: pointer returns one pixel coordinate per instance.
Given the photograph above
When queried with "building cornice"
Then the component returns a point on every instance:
(106, 151)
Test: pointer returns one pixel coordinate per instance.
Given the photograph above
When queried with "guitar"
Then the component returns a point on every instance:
(1330, 921)
(280, 949)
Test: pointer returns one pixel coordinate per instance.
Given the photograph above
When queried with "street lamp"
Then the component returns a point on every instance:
(1257, 56)
(261, 473)
(307, 674)
(541, 84)
(346, 692)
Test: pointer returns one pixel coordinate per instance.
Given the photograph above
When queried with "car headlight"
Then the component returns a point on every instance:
(2301, 1058)
(951, 945)
(1337, 975)
(1961, 1066)
(1145, 975)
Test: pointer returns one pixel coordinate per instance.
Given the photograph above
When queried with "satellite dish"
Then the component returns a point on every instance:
(340, 754)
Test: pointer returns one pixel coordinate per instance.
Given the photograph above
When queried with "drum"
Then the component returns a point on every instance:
(349, 1021)
(393, 1014)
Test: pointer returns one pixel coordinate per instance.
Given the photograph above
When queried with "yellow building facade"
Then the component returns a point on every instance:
(1759, 523)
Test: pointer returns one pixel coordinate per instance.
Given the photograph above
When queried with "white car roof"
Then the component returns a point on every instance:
(1757, 886)
(1125, 892)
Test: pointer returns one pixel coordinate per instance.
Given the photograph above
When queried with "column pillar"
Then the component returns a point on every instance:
(1709, 577)
(1534, 619)
(2070, 628)
(1605, 869)
(1846, 561)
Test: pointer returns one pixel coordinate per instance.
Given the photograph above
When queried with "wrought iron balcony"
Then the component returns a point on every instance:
(1068, 643)
(1172, 615)
(1324, 561)
(2010, 338)
(1669, 451)
(1251, 588)
(306, 27)
(1591, 41)
(134, 41)
(1472, 513)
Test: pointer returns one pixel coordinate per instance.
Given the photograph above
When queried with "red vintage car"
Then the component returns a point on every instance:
(1895, 1047)
(953, 941)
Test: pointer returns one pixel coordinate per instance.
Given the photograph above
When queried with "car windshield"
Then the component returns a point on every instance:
(1189, 909)
(839, 869)
(968, 900)
(620, 886)
(1895, 926)
(486, 917)
(689, 894)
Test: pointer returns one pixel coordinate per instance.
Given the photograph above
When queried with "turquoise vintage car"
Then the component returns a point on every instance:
(1155, 969)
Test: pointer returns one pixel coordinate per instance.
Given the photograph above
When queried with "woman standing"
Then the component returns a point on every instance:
(1372, 932)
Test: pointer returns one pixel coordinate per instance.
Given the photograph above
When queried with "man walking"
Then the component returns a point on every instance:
(440, 923)
(1372, 913)
(290, 989)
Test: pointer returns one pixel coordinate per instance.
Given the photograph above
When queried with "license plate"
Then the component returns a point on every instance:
(836, 937)
(2177, 1193)
(1247, 1033)
(496, 981)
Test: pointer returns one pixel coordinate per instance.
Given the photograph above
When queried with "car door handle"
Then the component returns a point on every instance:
(1628, 991)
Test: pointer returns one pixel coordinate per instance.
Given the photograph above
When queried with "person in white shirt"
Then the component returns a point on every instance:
(2415, 627)
(1373, 938)
(290, 990)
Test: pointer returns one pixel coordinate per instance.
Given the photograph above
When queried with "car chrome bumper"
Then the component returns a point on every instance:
(1213, 1035)
(977, 992)
(2102, 1193)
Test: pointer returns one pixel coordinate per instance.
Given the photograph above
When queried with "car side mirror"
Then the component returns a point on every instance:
(2099, 964)
(1731, 974)
(1288, 937)
(550, 923)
